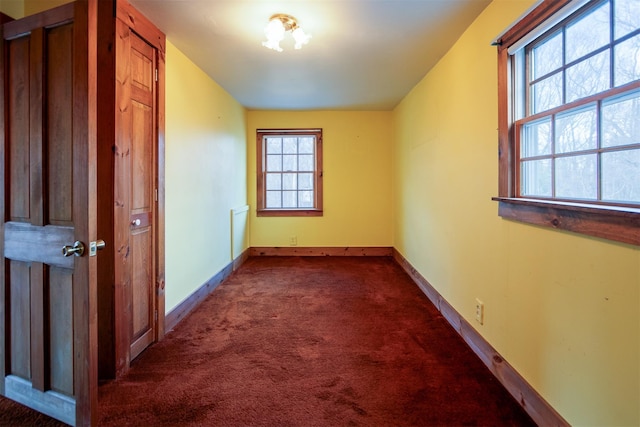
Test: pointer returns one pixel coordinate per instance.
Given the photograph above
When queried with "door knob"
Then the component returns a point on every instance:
(77, 249)
(136, 222)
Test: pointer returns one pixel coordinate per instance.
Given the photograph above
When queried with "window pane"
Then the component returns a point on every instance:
(627, 61)
(576, 130)
(621, 176)
(305, 199)
(290, 146)
(306, 144)
(588, 34)
(576, 177)
(588, 77)
(536, 178)
(621, 121)
(289, 199)
(274, 181)
(547, 93)
(626, 17)
(274, 145)
(274, 199)
(306, 163)
(536, 138)
(289, 181)
(547, 56)
(274, 163)
(305, 181)
(289, 162)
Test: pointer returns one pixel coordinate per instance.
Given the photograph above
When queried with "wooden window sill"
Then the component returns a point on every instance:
(621, 224)
(289, 212)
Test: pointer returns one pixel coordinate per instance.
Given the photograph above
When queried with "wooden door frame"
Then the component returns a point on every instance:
(117, 18)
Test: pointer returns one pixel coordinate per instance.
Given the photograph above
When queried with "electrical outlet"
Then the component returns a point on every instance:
(293, 241)
(479, 311)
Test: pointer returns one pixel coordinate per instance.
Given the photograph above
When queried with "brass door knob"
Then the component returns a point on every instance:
(77, 249)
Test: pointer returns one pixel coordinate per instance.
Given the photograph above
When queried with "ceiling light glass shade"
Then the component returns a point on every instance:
(278, 26)
(300, 37)
(275, 33)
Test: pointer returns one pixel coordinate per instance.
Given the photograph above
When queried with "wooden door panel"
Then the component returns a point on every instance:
(26, 242)
(142, 158)
(142, 284)
(20, 330)
(143, 291)
(141, 63)
(18, 127)
(60, 309)
(46, 300)
(60, 125)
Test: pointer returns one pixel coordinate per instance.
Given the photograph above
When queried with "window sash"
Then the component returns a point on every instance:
(525, 166)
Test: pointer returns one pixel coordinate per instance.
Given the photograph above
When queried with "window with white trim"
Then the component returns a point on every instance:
(570, 111)
(289, 172)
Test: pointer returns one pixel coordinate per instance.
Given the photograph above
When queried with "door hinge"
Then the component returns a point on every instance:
(155, 315)
(155, 194)
(156, 74)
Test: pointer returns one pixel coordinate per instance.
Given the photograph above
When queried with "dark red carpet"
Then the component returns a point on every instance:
(292, 341)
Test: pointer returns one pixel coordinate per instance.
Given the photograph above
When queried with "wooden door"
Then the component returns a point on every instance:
(131, 184)
(136, 185)
(48, 329)
(142, 58)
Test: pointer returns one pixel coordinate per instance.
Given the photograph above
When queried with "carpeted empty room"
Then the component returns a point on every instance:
(306, 341)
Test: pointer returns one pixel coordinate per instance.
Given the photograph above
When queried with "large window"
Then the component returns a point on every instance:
(570, 118)
(289, 172)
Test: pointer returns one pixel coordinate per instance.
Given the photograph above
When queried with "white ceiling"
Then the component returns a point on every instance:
(363, 55)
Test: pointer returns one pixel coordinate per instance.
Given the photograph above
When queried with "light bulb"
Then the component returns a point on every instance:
(300, 37)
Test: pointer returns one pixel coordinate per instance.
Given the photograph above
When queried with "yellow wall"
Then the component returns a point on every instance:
(562, 308)
(205, 175)
(35, 6)
(357, 180)
(13, 8)
(20, 8)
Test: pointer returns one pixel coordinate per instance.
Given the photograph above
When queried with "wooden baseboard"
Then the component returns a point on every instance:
(321, 251)
(192, 301)
(535, 405)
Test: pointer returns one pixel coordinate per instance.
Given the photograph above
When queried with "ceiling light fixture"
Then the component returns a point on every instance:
(276, 29)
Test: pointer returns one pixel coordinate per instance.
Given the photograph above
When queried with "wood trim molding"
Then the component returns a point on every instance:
(139, 23)
(261, 174)
(195, 299)
(5, 18)
(321, 251)
(534, 404)
(535, 17)
(607, 222)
